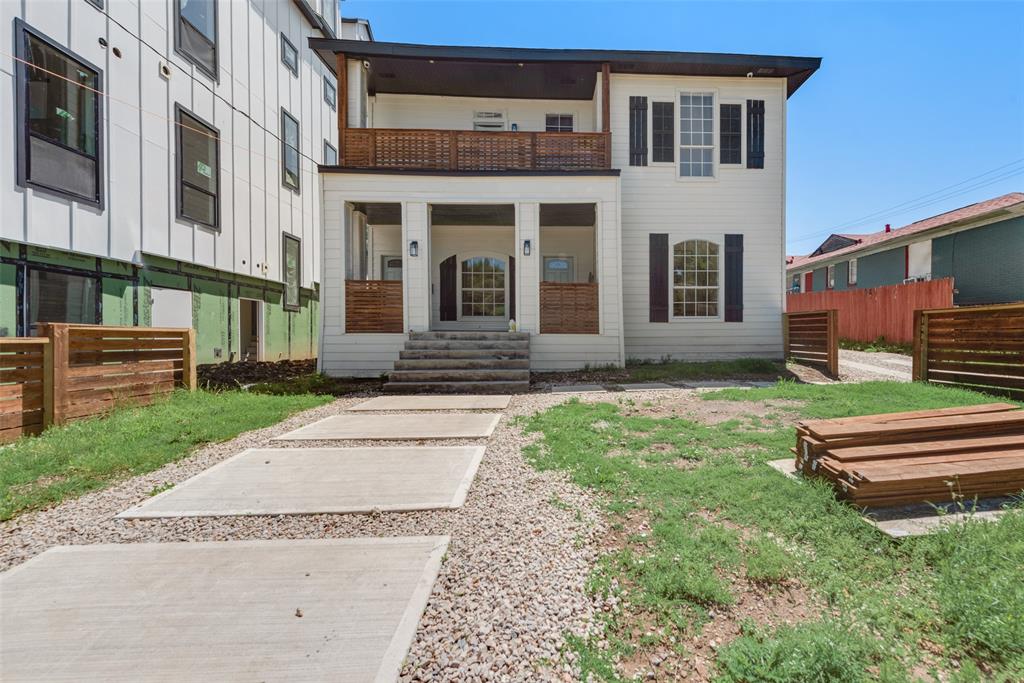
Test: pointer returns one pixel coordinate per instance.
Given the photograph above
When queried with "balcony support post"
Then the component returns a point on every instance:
(606, 109)
(342, 68)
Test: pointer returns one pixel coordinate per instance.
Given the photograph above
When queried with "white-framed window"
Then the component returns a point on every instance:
(851, 273)
(696, 134)
(559, 269)
(830, 276)
(483, 287)
(696, 278)
(559, 123)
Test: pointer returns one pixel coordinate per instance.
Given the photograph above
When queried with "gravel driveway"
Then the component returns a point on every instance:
(866, 366)
(512, 584)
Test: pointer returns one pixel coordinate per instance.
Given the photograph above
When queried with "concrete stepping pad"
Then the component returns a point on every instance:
(310, 481)
(646, 386)
(453, 402)
(576, 388)
(303, 610)
(397, 427)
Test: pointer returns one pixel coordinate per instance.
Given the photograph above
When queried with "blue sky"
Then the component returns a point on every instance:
(912, 97)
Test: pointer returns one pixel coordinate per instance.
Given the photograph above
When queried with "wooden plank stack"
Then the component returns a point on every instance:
(923, 456)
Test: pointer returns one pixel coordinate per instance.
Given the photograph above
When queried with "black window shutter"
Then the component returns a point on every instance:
(637, 131)
(659, 278)
(755, 133)
(663, 143)
(734, 278)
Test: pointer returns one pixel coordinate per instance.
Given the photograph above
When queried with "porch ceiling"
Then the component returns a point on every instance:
(473, 214)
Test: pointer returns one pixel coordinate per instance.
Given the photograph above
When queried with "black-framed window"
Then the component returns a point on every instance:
(731, 127)
(330, 94)
(291, 265)
(60, 115)
(195, 34)
(663, 129)
(559, 123)
(58, 297)
(198, 152)
(330, 154)
(289, 151)
(289, 55)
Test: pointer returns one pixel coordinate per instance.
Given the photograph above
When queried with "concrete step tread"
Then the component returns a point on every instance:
(463, 364)
(493, 387)
(443, 344)
(468, 354)
(459, 375)
(471, 335)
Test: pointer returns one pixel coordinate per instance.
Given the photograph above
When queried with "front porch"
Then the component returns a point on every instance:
(473, 257)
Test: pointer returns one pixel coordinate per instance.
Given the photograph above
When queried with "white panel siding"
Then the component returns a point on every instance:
(456, 113)
(738, 201)
(139, 135)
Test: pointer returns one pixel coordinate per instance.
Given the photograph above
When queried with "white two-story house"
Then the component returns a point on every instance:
(616, 205)
(158, 166)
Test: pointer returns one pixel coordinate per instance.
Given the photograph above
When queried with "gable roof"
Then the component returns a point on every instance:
(989, 208)
(541, 73)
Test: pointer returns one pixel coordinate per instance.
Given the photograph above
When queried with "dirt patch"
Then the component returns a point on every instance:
(693, 407)
(233, 375)
(623, 528)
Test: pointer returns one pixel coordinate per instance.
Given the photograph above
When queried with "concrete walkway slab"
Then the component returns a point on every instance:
(576, 388)
(305, 610)
(646, 386)
(309, 481)
(398, 428)
(438, 402)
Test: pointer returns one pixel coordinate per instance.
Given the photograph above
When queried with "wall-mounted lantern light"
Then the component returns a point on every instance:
(526, 247)
(414, 248)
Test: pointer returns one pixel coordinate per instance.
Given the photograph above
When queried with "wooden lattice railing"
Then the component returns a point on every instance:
(569, 308)
(373, 306)
(466, 150)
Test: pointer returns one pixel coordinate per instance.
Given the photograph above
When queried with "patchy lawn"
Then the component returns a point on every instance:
(722, 569)
(65, 462)
(668, 371)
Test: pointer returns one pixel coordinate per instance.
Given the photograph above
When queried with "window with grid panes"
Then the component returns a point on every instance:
(483, 287)
(695, 279)
(558, 123)
(696, 134)
(731, 123)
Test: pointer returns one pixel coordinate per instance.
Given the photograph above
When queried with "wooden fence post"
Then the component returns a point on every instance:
(58, 335)
(920, 371)
(833, 342)
(188, 359)
(47, 383)
(785, 336)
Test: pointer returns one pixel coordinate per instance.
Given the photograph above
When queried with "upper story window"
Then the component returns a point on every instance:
(196, 33)
(851, 272)
(59, 119)
(330, 154)
(330, 14)
(731, 123)
(289, 151)
(558, 123)
(695, 275)
(696, 134)
(663, 132)
(830, 276)
(198, 170)
(330, 94)
(289, 55)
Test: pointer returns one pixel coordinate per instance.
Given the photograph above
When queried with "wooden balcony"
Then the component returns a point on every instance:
(465, 150)
(569, 308)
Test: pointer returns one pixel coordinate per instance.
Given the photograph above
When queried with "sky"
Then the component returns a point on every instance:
(918, 107)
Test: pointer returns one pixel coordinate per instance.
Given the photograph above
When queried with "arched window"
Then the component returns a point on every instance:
(695, 278)
(483, 287)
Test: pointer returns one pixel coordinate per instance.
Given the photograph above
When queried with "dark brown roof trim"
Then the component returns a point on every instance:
(610, 172)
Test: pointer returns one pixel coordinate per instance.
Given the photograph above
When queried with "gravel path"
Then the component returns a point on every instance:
(864, 366)
(512, 584)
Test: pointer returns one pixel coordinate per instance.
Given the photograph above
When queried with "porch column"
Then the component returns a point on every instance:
(416, 274)
(527, 268)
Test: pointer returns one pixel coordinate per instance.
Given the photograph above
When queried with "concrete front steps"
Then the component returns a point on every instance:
(462, 363)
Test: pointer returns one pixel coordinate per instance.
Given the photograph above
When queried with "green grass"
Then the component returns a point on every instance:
(727, 516)
(879, 345)
(719, 369)
(86, 455)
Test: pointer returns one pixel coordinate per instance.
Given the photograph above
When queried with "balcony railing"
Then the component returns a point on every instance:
(569, 308)
(465, 150)
(373, 306)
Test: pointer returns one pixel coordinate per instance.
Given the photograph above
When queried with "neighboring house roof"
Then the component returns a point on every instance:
(971, 212)
(542, 73)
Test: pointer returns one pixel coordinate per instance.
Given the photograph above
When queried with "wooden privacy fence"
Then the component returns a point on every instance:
(980, 348)
(569, 308)
(812, 338)
(25, 366)
(867, 314)
(373, 306)
(75, 371)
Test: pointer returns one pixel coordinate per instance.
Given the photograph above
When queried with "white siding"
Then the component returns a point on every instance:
(139, 136)
(456, 113)
(737, 201)
(370, 354)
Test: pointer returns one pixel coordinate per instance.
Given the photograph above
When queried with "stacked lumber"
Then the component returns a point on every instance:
(918, 456)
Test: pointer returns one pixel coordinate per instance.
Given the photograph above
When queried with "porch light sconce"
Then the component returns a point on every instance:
(414, 248)
(526, 247)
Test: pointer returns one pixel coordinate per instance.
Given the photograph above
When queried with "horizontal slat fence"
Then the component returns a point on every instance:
(980, 348)
(25, 364)
(373, 306)
(867, 314)
(812, 338)
(569, 308)
(466, 150)
(75, 371)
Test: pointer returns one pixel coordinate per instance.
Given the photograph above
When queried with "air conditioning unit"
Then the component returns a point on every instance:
(917, 278)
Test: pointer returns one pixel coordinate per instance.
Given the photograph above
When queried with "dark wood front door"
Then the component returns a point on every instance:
(449, 294)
